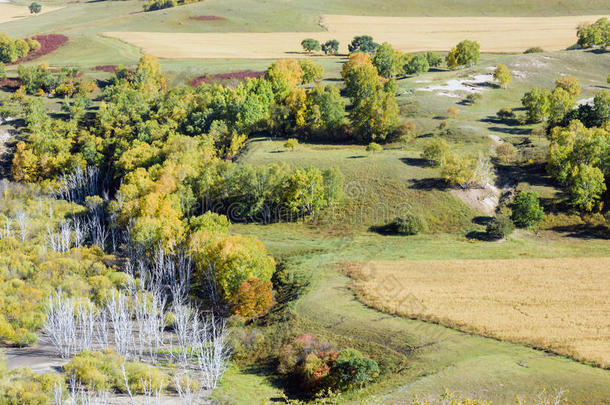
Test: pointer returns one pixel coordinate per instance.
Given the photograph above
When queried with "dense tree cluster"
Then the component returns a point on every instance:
(153, 5)
(544, 105)
(578, 159)
(12, 49)
(393, 63)
(596, 34)
(466, 53)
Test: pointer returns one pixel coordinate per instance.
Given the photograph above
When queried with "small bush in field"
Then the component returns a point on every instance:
(500, 227)
(373, 147)
(291, 144)
(506, 152)
(435, 152)
(535, 49)
(505, 114)
(408, 224)
(253, 298)
(472, 98)
(352, 370)
(453, 111)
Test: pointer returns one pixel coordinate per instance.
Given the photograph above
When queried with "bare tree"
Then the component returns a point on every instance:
(212, 352)
(24, 224)
(120, 315)
(60, 325)
(86, 323)
(150, 316)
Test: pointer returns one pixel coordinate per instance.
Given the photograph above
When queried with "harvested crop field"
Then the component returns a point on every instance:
(556, 304)
(409, 34)
(11, 12)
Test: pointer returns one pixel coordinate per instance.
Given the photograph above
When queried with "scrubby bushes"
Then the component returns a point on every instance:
(408, 224)
(315, 366)
(435, 152)
(108, 371)
(535, 49)
(253, 298)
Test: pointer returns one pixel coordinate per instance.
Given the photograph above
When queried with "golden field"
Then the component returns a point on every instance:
(560, 305)
(11, 12)
(409, 34)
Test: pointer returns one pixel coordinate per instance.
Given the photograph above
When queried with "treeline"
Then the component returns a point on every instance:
(12, 49)
(580, 140)
(152, 5)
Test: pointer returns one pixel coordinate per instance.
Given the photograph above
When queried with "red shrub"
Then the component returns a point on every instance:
(220, 77)
(105, 68)
(207, 18)
(48, 44)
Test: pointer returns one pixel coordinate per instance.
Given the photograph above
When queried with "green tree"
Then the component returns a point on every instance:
(2, 71)
(569, 84)
(456, 170)
(466, 53)
(363, 43)
(310, 45)
(526, 210)
(326, 109)
(35, 8)
(596, 34)
(352, 370)
(330, 47)
(537, 102)
(434, 59)
(385, 60)
(417, 64)
(502, 75)
(435, 152)
(311, 71)
(376, 117)
(586, 186)
(601, 107)
(304, 193)
(12, 49)
(500, 226)
(561, 102)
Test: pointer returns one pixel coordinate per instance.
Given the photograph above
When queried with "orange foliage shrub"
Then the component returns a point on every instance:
(253, 298)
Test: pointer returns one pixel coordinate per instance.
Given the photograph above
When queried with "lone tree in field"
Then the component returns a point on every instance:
(35, 8)
(330, 47)
(291, 144)
(363, 43)
(466, 53)
(310, 45)
(502, 75)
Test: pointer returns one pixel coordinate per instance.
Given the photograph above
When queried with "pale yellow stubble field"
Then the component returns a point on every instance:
(409, 34)
(558, 304)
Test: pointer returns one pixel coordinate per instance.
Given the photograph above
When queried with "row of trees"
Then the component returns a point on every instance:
(330, 47)
(545, 105)
(12, 49)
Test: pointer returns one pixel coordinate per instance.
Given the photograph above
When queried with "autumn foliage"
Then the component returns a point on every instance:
(253, 298)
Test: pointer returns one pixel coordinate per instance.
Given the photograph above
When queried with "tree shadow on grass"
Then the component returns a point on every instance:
(356, 157)
(419, 162)
(479, 235)
(430, 183)
(511, 131)
(482, 220)
(584, 231)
